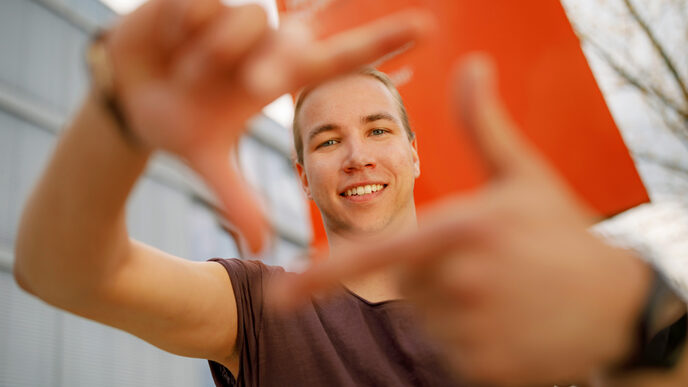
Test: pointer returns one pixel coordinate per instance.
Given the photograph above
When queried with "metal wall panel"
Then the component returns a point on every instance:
(157, 215)
(96, 355)
(7, 175)
(25, 152)
(90, 10)
(12, 49)
(42, 74)
(29, 338)
(206, 237)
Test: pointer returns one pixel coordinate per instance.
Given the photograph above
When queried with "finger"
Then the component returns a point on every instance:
(181, 18)
(239, 202)
(158, 26)
(483, 113)
(435, 240)
(224, 42)
(347, 51)
(507, 152)
(274, 75)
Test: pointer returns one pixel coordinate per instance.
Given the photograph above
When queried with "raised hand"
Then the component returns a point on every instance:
(508, 279)
(189, 73)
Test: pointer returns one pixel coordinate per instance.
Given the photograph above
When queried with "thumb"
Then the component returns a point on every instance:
(239, 204)
(507, 152)
(483, 114)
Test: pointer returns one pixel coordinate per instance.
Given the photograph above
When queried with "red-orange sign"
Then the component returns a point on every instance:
(544, 79)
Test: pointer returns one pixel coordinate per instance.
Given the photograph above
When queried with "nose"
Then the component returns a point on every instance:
(359, 156)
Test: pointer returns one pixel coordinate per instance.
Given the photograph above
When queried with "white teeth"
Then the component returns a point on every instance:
(364, 189)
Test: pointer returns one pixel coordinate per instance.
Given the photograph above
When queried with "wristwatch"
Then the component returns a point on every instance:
(657, 347)
(100, 68)
(656, 235)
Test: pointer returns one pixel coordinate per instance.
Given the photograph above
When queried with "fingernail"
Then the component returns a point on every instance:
(480, 69)
(423, 22)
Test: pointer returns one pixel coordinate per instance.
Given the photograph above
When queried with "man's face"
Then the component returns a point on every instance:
(359, 165)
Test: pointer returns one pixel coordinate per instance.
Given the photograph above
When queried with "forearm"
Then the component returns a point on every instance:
(72, 230)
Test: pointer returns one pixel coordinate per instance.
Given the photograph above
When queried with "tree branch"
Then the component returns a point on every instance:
(645, 90)
(682, 170)
(634, 81)
(660, 49)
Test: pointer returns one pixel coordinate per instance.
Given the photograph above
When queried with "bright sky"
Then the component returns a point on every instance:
(124, 6)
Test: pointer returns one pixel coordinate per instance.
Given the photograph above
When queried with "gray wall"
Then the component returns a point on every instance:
(42, 80)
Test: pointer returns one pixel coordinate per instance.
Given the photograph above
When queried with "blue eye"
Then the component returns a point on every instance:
(378, 131)
(328, 143)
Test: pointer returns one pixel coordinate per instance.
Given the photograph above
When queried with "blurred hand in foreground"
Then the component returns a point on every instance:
(508, 279)
(189, 73)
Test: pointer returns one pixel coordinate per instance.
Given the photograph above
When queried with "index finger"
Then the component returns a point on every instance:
(338, 54)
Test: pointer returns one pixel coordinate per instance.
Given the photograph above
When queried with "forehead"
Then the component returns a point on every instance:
(344, 101)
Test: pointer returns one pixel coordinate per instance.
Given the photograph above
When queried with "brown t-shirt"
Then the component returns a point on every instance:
(336, 341)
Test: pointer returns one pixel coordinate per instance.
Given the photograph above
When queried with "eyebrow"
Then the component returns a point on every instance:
(320, 129)
(377, 117)
(365, 120)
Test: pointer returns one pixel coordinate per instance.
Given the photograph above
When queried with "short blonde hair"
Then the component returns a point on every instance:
(367, 71)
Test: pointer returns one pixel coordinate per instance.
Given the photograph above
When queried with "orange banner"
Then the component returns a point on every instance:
(544, 79)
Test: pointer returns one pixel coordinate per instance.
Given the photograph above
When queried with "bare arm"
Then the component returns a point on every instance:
(73, 250)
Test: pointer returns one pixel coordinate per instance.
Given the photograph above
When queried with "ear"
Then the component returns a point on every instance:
(304, 179)
(416, 159)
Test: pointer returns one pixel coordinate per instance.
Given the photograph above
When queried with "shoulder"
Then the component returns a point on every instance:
(247, 269)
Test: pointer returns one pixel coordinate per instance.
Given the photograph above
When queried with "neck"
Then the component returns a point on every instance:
(380, 285)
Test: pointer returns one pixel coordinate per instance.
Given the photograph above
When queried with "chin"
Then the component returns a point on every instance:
(364, 228)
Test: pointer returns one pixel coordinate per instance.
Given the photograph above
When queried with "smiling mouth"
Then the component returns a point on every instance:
(363, 190)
